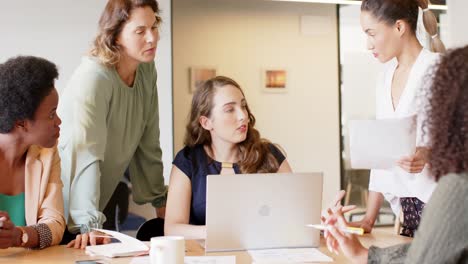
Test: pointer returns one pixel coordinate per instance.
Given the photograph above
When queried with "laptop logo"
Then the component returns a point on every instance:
(264, 210)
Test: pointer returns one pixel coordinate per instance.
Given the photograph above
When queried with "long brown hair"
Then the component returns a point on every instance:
(255, 152)
(390, 11)
(447, 120)
(113, 18)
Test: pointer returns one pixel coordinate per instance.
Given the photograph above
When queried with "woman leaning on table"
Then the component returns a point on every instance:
(111, 120)
(442, 236)
(31, 202)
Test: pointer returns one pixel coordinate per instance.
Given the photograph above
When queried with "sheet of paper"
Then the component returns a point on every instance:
(288, 255)
(129, 246)
(201, 242)
(125, 239)
(193, 260)
(379, 144)
(210, 260)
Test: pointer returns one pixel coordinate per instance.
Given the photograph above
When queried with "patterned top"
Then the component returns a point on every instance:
(442, 236)
(197, 165)
(45, 235)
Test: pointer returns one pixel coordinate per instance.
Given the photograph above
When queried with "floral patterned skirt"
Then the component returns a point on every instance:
(412, 210)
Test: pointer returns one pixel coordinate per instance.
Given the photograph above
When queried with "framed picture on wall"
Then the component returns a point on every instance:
(199, 74)
(275, 80)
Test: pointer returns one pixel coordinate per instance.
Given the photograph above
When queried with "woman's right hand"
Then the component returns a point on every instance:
(414, 163)
(9, 234)
(337, 240)
(335, 206)
(364, 224)
(93, 238)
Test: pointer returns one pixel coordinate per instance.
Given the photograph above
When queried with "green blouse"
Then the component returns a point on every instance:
(14, 205)
(107, 127)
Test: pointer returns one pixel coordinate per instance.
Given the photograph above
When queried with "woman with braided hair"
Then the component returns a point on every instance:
(442, 235)
(391, 26)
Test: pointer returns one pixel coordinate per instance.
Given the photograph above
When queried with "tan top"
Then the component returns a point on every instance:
(43, 191)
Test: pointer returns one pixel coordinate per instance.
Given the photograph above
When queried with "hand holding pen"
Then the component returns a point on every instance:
(347, 229)
(339, 236)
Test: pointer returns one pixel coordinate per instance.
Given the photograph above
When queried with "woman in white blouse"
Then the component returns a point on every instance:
(390, 26)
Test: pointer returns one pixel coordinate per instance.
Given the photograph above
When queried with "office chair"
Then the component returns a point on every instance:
(151, 228)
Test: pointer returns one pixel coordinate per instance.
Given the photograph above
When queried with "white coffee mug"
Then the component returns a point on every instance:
(167, 250)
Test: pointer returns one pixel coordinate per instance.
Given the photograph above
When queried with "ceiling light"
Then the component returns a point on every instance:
(349, 2)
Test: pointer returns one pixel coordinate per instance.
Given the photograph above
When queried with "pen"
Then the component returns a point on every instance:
(348, 229)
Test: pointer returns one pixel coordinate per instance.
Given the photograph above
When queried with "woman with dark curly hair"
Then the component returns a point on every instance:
(220, 138)
(111, 120)
(31, 201)
(442, 236)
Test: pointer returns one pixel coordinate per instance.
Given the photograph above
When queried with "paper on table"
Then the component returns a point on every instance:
(129, 246)
(194, 260)
(288, 255)
(379, 144)
(201, 242)
(210, 260)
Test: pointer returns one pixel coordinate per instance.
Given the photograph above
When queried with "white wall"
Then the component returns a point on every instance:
(62, 31)
(241, 38)
(457, 21)
(164, 68)
(58, 30)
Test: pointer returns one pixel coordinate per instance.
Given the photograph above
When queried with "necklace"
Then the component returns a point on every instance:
(223, 164)
(227, 165)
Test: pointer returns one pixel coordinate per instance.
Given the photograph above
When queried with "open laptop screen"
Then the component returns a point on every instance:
(258, 211)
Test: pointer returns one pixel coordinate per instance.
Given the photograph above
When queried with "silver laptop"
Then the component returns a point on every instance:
(259, 211)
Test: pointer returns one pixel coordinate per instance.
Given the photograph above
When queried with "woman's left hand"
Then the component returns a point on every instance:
(161, 212)
(416, 162)
(92, 238)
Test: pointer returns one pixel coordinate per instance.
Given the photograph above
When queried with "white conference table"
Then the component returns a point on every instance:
(381, 237)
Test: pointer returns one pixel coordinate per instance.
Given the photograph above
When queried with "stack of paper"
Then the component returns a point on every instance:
(129, 246)
(288, 255)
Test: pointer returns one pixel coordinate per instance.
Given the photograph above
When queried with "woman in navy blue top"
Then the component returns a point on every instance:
(220, 139)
